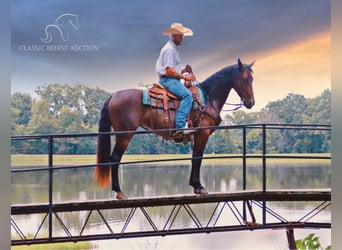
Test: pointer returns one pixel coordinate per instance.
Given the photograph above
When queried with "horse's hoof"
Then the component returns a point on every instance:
(121, 196)
(200, 191)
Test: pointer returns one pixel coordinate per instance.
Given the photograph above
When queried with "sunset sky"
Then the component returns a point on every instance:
(290, 41)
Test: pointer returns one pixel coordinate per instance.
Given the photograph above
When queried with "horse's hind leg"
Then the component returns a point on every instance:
(121, 144)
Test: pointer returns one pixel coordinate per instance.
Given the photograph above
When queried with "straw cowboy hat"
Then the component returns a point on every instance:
(178, 28)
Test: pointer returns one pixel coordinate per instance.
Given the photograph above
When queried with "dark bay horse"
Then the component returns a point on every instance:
(124, 111)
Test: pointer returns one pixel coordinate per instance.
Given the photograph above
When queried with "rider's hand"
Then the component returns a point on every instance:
(190, 77)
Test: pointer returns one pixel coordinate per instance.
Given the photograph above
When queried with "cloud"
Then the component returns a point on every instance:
(128, 34)
(302, 68)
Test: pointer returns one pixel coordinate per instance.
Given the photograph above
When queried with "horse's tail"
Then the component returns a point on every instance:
(102, 172)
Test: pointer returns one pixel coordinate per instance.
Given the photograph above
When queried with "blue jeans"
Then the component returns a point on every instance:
(185, 105)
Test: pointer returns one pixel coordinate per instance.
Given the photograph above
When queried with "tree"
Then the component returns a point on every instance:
(311, 242)
(58, 109)
(20, 110)
(64, 109)
(87, 102)
(43, 121)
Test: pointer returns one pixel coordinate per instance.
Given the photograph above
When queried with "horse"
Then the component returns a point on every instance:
(124, 111)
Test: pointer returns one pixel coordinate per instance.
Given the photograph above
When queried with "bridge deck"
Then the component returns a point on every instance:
(274, 195)
(53, 215)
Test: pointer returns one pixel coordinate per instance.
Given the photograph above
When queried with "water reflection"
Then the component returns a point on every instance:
(147, 180)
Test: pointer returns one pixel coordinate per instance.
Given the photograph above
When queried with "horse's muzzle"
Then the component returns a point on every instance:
(248, 103)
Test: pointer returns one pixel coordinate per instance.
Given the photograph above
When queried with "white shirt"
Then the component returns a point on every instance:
(168, 57)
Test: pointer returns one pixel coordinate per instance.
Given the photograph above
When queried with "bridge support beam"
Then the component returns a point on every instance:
(291, 239)
(223, 215)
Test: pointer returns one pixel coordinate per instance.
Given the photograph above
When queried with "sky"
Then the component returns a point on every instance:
(116, 43)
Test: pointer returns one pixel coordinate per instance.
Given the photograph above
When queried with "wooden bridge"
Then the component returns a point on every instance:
(243, 210)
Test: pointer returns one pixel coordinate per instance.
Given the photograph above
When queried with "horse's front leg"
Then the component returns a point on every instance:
(198, 150)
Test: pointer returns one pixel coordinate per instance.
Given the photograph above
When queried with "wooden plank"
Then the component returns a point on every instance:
(273, 195)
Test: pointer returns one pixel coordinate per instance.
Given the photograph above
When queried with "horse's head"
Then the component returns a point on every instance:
(243, 83)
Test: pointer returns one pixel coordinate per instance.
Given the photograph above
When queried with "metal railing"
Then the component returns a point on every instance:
(244, 155)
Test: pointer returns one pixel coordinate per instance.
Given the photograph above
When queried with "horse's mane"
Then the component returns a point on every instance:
(218, 80)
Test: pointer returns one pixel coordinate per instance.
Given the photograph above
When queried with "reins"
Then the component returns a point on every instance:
(237, 106)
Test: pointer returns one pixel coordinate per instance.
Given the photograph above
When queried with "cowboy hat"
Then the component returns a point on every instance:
(178, 28)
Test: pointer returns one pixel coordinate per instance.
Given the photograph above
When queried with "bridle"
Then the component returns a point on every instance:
(236, 105)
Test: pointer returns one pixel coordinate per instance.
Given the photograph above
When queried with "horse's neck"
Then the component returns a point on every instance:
(217, 88)
(220, 99)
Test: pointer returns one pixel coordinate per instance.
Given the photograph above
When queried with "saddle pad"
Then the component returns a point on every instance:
(201, 97)
(150, 101)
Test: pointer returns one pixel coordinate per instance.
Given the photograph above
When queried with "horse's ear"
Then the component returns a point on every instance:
(250, 65)
(240, 64)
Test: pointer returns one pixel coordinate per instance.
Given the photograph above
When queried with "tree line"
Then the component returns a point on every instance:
(64, 109)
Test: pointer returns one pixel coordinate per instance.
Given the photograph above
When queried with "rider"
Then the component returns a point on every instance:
(170, 72)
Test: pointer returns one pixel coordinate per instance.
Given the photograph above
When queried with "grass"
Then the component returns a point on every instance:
(42, 160)
(57, 246)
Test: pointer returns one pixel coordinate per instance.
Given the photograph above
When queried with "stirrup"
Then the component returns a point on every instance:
(180, 138)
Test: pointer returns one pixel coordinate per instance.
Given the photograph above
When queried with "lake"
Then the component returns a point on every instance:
(160, 180)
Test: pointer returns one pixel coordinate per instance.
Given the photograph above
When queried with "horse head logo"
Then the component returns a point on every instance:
(61, 25)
